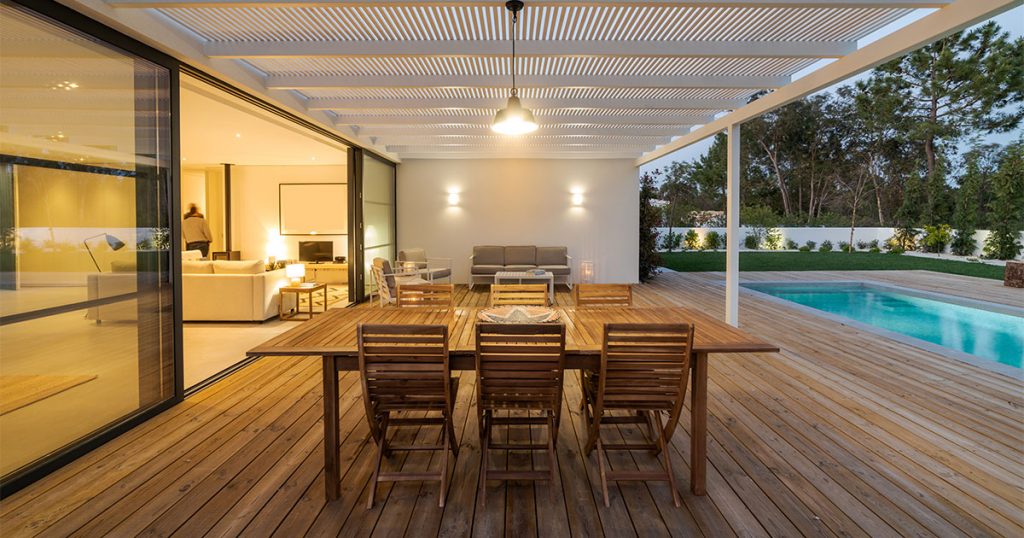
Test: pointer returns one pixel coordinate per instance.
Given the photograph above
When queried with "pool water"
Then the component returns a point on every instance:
(983, 333)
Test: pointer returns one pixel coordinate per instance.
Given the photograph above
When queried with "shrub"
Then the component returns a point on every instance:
(826, 246)
(874, 250)
(773, 239)
(751, 242)
(903, 238)
(1003, 241)
(844, 247)
(963, 243)
(692, 240)
(895, 249)
(862, 245)
(649, 259)
(791, 245)
(811, 245)
(936, 238)
(873, 244)
(671, 241)
(805, 248)
(712, 241)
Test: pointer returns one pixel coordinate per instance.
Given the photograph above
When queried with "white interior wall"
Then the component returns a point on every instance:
(523, 202)
(254, 209)
(193, 189)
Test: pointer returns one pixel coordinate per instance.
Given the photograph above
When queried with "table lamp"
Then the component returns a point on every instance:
(113, 242)
(587, 271)
(296, 272)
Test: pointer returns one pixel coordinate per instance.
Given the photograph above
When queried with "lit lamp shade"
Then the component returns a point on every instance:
(514, 119)
(587, 271)
(295, 271)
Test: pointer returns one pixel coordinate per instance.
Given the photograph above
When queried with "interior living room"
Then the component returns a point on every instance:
(272, 194)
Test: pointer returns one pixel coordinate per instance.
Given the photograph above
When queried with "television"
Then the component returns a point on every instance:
(316, 251)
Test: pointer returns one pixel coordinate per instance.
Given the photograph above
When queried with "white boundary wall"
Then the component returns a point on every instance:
(817, 234)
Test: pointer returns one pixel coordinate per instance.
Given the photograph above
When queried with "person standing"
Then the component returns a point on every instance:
(196, 231)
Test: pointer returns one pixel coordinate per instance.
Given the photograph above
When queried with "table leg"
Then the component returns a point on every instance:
(551, 290)
(699, 424)
(332, 470)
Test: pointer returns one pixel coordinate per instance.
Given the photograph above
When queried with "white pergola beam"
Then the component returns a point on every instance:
(952, 18)
(595, 119)
(554, 140)
(501, 47)
(542, 102)
(314, 82)
(384, 131)
(895, 4)
(525, 154)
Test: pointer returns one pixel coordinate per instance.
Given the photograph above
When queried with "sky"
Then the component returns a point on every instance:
(1011, 21)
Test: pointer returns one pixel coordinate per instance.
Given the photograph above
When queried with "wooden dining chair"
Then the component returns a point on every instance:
(405, 368)
(439, 296)
(519, 294)
(588, 295)
(519, 368)
(644, 369)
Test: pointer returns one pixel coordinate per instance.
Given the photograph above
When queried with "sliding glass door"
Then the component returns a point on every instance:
(378, 214)
(86, 301)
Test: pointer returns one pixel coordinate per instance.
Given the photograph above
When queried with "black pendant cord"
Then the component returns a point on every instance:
(515, 19)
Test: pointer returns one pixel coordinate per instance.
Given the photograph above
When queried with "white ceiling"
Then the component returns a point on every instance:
(217, 128)
(604, 77)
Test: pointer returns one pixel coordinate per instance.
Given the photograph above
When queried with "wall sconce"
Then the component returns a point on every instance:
(453, 198)
(577, 199)
(587, 271)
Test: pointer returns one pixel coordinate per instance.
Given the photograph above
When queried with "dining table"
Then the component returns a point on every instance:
(332, 336)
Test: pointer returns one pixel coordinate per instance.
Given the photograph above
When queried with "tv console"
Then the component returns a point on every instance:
(327, 272)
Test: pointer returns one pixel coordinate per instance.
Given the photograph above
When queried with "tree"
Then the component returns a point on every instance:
(969, 81)
(1007, 205)
(649, 257)
(965, 216)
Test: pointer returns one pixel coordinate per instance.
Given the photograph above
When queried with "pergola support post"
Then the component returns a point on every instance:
(732, 213)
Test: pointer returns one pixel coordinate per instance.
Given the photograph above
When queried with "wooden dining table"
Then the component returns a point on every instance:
(332, 336)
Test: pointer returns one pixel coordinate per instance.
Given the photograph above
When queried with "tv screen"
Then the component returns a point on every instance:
(316, 251)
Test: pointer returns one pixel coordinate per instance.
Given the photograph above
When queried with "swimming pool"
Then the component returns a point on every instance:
(996, 334)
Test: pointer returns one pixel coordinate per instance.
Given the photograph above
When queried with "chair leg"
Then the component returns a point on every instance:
(652, 429)
(604, 473)
(485, 439)
(381, 447)
(450, 427)
(552, 458)
(667, 460)
(444, 465)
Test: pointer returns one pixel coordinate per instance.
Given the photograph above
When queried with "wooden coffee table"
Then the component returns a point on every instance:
(309, 290)
(525, 276)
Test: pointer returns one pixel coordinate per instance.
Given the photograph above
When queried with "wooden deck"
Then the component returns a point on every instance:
(842, 433)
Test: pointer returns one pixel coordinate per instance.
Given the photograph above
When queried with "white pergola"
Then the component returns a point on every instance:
(605, 78)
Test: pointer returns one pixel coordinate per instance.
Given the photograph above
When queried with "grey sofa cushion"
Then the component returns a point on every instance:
(486, 269)
(488, 255)
(521, 255)
(440, 273)
(412, 255)
(555, 269)
(552, 256)
(523, 267)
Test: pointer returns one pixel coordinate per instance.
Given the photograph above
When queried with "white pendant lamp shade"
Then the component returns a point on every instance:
(514, 119)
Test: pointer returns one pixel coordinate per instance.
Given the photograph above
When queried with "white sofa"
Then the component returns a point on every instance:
(231, 291)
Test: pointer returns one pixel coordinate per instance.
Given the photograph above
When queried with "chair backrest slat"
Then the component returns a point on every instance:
(439, 296)
(520, 366)
(644, 366)
(589, 295)
(519, 294)
(404, 363)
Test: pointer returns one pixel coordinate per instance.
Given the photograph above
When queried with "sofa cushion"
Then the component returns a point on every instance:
(486, 269)
(196, 268)
(191, 255)
(440, 273)
(488, 255)
(238, 267)
(552, 256)
(555, 269)
(412, 255)
(521, 255)
(523, 267)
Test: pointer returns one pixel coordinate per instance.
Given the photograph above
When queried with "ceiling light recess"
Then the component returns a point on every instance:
(514, 119)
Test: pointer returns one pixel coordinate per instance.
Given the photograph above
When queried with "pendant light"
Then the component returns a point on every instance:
(514, 119)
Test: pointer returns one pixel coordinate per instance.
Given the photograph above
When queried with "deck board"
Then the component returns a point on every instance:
(843, 432)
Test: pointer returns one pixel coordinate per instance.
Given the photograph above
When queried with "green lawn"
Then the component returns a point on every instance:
(825, 261)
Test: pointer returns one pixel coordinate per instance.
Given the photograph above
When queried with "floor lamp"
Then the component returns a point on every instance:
(113, 242)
